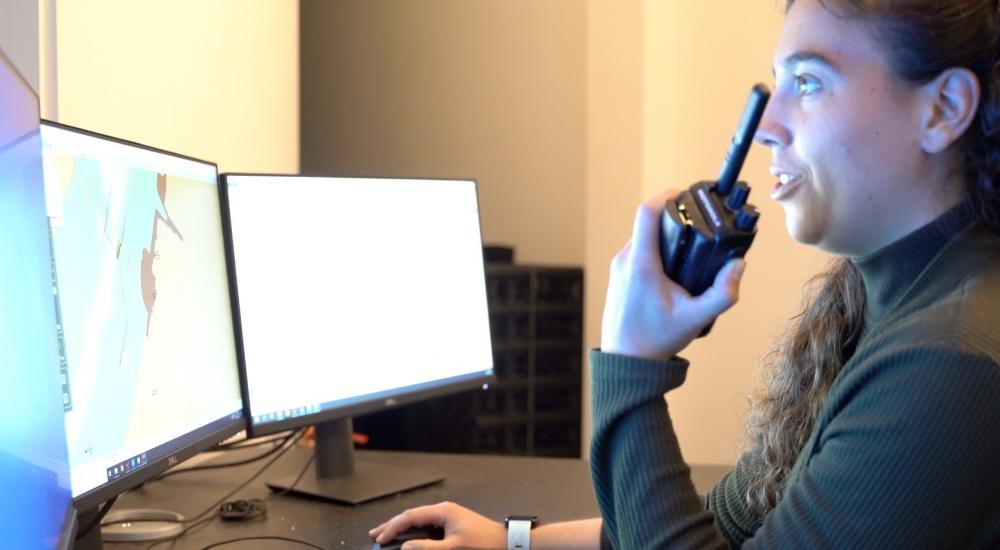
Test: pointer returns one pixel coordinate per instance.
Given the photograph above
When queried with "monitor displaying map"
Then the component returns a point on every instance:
(145, 325)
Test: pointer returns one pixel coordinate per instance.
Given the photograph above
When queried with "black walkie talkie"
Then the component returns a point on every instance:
(710, 223)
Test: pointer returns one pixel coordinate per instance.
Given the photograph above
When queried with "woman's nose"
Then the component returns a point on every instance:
(772, 132)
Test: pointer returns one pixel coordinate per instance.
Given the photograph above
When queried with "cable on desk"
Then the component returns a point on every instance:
(252, 478)
(298, 478)
(252, 442)
(187, 529)
(229, 464)
(302, 472)
(97, 519)
(214, 508)
(262, 537)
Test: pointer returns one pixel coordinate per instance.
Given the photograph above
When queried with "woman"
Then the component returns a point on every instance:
(878, 424)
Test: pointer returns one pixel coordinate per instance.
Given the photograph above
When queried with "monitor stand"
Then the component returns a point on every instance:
(341, 478)
(128, 525)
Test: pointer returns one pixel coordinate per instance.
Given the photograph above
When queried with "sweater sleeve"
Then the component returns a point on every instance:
(727, 500)
(902, 456)
(643, 486)
(605, 538)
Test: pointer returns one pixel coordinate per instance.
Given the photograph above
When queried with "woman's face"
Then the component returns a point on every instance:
(844, 133)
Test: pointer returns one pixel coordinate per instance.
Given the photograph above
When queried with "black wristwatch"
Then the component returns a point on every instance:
(519, 531)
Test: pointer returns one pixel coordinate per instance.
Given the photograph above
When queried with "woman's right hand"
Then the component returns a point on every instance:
(648, 315)
(462, 527)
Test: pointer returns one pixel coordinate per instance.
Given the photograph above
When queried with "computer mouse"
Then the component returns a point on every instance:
(413, 533)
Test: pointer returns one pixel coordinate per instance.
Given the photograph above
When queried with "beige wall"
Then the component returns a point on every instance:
(568, 113)
(667, 81)
(216, 80)
(700, 60)
(19, 37)
(491, 90)
(614, 153)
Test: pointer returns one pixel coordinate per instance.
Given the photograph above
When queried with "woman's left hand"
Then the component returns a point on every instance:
(647, 315)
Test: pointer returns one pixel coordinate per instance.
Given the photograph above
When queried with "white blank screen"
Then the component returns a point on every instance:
(354, 286)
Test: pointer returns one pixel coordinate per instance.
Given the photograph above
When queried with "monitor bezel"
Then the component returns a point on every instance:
(67, 533)
(371, 403)
(123, 141)
(189, 444)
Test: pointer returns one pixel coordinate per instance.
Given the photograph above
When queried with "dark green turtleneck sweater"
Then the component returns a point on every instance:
(905, 450)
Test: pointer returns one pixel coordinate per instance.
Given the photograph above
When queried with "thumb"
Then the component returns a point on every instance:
(724, 292)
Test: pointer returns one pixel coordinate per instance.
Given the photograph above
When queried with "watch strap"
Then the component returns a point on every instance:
(519, 533)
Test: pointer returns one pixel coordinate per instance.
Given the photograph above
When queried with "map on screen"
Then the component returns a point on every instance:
(143, 304)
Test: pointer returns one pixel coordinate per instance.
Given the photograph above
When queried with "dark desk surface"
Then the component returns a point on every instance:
(553, 488)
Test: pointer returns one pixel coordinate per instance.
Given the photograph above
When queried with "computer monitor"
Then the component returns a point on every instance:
(143, 303)
(354, 295)
(36, 506)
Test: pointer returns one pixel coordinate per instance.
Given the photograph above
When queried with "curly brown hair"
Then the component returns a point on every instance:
(922, 38)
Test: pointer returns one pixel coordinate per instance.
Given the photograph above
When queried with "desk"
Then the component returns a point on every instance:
(555, 489)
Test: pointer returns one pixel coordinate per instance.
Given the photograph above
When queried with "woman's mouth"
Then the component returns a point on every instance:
(787, 183)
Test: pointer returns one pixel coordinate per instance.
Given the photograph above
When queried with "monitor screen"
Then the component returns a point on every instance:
(36, 507)
(143, 303)
(355, 292)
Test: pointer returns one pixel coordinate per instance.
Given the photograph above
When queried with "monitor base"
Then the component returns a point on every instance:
(127, 525)
(369, 481)
(141, 525)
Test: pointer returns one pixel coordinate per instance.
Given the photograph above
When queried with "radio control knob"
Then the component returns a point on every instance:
(738, 196)
(747, 218)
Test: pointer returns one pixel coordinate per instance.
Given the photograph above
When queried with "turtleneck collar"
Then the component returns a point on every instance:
(890, 272)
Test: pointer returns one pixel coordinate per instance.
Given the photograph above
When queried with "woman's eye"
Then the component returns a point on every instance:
(805, 85)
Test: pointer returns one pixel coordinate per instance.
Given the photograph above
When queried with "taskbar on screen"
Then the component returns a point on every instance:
(134, 470)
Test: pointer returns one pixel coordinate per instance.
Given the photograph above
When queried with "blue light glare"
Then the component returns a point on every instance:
(34, 472)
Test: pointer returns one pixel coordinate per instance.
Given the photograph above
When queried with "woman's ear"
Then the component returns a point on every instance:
(952, 100)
